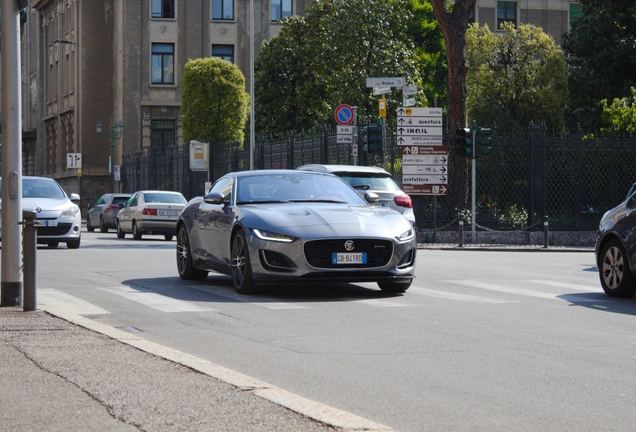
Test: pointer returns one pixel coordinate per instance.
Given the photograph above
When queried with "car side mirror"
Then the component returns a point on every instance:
(371, 197)
(214, 198)
(75, 198)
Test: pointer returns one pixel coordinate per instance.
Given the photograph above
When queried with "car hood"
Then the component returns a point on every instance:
(319, 220)
(45, 204)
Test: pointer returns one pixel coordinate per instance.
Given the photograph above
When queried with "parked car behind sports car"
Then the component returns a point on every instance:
(150, 212)
(58, 216)
(371, 179)
(103, 213)
(288, 226)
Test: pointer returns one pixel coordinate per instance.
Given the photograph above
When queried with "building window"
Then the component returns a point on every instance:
(163, 8)
(163, 135)
(575, 12)
(281, 9)
(162, 63)
(226, 52)
(506, 12)
(222, 9)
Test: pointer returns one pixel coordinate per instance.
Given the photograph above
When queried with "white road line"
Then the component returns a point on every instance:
(54, 299)
(155, 301)
(258, 301)
(458, 297)
(521, 291)
(574, 287)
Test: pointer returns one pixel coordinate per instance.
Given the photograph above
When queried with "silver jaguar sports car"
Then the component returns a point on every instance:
(287, 226)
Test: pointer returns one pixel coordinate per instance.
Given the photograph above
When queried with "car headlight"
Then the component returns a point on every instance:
(69, 212)
(406, 235)
(272, 236)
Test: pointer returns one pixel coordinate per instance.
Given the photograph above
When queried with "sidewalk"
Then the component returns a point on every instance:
(62, 372)
(504, 247)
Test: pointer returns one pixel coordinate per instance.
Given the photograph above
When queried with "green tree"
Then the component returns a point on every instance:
(322, 59)
(515, 77)
(620, 114)
(601, 56)
(214, 104)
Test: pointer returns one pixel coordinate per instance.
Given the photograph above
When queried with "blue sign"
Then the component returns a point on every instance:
(344, 114)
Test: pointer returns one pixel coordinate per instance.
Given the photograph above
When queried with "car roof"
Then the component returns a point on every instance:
(273, 172)
(357, 169)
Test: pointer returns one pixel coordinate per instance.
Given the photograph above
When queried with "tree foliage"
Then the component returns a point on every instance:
(515, 77)
(620, 114)
(322, 59)
(214, 104)
(601, 55)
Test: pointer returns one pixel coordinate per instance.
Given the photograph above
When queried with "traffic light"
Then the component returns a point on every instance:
(484, 140)
(464, 141)
(372, 137)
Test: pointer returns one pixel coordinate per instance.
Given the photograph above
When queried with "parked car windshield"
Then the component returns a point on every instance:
(39, 188)
(295, 187)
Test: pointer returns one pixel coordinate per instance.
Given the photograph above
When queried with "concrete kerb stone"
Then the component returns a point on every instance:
(320, 412)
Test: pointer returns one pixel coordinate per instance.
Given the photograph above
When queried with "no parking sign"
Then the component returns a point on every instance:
(344, 114)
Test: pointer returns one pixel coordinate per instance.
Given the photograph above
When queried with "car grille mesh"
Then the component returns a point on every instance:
(58, 230)
(318, 252)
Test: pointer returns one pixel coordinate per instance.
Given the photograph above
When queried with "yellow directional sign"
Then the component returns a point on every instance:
(382, 108)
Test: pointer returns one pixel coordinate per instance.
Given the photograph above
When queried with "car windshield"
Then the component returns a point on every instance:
(40, 188)
(300, 187)
(372, 182)
(159, 197)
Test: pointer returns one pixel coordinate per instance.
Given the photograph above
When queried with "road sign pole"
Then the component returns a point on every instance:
(474, 185)
(355, 135)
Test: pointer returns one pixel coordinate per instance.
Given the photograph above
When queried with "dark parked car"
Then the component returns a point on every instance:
(298, 227)
(371, 179)
(103, 213)
(616, 249)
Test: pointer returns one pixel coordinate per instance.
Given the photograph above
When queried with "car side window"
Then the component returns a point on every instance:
(101, 200)
(132, 201)
(223, 185)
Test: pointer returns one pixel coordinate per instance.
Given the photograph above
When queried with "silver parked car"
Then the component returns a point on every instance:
(150, 212)
(58, 217)
(288, 226)
(103, 214)
(371, 179)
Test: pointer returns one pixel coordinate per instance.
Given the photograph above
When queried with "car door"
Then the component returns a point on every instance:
(95, 211)
(125, 215)
(209, 223)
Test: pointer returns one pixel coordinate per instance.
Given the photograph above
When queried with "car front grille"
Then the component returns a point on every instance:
(53, 231)
(318, 252)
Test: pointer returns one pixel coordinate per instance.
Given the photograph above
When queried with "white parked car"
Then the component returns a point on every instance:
(150, 212)
(58, 217)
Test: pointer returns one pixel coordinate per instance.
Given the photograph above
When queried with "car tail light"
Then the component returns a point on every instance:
(113, 207)
(403, 201)
(149, 212)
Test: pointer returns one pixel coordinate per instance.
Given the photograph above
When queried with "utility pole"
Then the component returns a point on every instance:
(11, 274)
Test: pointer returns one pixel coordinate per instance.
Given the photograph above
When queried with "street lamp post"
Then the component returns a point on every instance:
(113, 134)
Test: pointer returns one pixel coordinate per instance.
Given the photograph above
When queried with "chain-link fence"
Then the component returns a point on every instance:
(571, 179)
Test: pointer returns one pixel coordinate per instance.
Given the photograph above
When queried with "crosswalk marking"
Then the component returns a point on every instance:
(156, 301)
(571, 286)
(255, 300)
(458, 297)
(57, 299)
(519, 291)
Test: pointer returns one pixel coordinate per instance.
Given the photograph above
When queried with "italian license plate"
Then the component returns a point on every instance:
(44, 223)
(349, 258)
(168, 212)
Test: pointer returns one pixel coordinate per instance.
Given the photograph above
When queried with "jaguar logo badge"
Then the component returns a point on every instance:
(349, 245)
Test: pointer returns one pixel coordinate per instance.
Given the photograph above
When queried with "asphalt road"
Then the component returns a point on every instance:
(481, 341)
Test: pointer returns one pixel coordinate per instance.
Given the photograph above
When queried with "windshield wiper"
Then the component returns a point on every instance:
(262, 202)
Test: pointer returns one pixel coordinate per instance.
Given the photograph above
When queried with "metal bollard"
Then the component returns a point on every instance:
(29, 249)
(461, 230)
(545, 232)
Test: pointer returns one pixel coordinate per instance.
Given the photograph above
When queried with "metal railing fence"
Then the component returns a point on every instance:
(571, 179)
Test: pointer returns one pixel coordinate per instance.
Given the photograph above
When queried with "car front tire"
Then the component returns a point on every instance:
(616, 276)
(136, 232)
(120, 233)
(89, 227)
(187, 270)
(102, 228)
(75, 244)
(241, 268)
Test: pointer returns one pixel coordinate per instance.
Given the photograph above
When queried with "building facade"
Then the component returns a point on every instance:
(116, 62)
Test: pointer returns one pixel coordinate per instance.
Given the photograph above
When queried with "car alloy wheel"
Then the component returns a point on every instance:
(616, 276)
(241, 269)
(186, 268)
